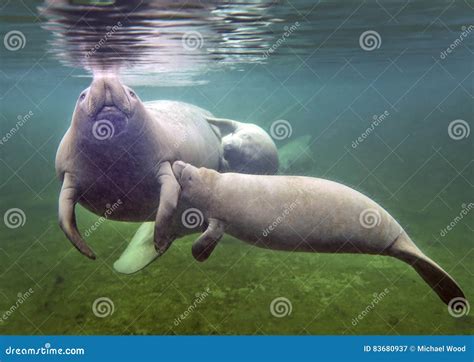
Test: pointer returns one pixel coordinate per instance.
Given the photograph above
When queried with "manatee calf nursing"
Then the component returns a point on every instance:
(295, 213)
(120, 148)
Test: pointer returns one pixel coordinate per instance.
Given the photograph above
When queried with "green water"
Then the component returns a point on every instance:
(325, 86)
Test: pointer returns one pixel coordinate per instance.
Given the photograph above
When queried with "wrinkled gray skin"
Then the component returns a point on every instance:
(294, 213)
(247, 147)
(119, 148)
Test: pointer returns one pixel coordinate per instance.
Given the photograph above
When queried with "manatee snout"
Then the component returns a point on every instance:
(104, 109)
(106, 92)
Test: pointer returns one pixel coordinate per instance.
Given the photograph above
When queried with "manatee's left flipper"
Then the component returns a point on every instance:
(204, 246)
(67, 217)
(169, 195)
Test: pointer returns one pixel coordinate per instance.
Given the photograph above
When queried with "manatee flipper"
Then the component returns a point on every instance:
(205, 244)
(169, 194)
(225, 126)
(140, 251)
(438, 279)
(67, 216)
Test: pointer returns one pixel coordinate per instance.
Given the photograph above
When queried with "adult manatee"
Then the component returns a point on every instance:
(119, 148)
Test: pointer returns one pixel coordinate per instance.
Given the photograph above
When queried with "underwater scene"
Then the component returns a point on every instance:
(374, 95)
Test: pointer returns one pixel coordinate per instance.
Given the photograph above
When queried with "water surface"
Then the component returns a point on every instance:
(304, 62)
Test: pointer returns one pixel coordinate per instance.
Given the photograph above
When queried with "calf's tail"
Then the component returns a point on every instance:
(438, 279)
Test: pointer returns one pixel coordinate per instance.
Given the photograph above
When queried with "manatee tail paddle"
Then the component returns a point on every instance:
(437, 278)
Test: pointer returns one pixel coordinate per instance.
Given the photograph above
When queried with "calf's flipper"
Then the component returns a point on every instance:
(205, 244)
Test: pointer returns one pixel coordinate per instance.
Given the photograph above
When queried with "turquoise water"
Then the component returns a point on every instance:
(415, 161)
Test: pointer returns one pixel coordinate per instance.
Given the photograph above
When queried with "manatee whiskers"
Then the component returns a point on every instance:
(333, 218)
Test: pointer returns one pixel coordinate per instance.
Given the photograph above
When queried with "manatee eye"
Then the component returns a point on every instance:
(190, 178)
(82, 96)
(132, 94)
